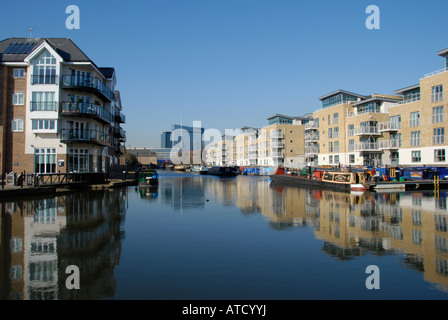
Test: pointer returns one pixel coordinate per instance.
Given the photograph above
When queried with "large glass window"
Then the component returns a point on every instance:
(415, 119)
(415, 138)
(416, 156)
(44, 69)
(438, 115)
(78, 160)
(437, 93)
(439, 155)
(43, 101)
(45, 160)
(438, 136)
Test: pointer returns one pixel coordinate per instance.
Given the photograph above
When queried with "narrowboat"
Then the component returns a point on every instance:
(223, 171)
(148, 177)
(344, 181)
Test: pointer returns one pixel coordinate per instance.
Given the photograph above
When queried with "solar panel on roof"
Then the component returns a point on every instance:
(20, 48)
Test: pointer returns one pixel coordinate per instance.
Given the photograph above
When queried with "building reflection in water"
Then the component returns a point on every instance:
(410, 224)
(40, 238)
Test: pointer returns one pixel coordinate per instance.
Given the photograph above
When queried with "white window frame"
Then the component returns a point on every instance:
(18, 99)
(17, 125)
(41, 123)
(19, 73)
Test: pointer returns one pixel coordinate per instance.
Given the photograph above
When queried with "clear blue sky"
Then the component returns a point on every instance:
(231, 63)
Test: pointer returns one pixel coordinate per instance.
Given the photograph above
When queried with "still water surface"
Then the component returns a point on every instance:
(204, 237)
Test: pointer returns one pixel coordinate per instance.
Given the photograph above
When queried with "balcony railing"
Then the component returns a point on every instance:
(367, 146)
(390, 144)
(276, 135)
(77, 109)
(435, 72)
(120, 117)
(44, 79)
(311, 151)
(93, 84)
(389, 126)
(312, 126)
(410, 98)
(276, 155)
(43, 106)
(277, 144)
(311, 137)
(438, 139)
(84, 136)
(370, 130)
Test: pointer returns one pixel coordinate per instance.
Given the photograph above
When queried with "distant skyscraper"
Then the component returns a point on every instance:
(166, 140)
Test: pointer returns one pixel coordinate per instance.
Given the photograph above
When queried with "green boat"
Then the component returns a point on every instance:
(148, 177)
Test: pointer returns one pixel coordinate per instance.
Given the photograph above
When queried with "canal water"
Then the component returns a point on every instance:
(204, 237)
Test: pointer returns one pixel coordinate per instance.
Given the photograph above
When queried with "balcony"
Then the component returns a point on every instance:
(367, 147)
(277, 145)
(311, 138)
(389, 126)
(84, 136)
(120, 117)
(276, 154)
(410, 98)
(312, 126)
(44, 79)
(43, 106)
(367, 131)
(438, 140)
(311, 151)
(94, 85)
(276, 135)
(86, 109)
(389, 144)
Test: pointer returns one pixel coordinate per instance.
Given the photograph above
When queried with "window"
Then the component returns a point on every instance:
(43, 125)
(330, 147)
(416, 156)
(415, 138)
(395, 122)
(329, 120)
(336, 118)
(18, 99)
(336, 132)
(330, 158)
(336, 159)
(351, 145)
(17, 125)
(438, 136)
(19, 73)
(45, 160)
(415, 119)
(437, 115)
(351, 130)
(439, 155)
(330, 133)
(78, 160)
(44, 69)
(336, 146)
(351, 158)
(437, 93)
(43, 101)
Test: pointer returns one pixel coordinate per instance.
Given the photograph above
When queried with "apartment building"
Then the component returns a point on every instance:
(60, 111)
(246, 147)
(282, 142)
(420, 120)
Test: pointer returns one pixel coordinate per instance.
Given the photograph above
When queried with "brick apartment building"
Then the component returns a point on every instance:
(60, 112)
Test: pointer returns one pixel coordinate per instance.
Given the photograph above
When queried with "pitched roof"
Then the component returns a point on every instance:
(65, 47)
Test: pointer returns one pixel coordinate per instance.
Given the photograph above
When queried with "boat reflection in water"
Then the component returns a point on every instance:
(41, 238)
(149, 192)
